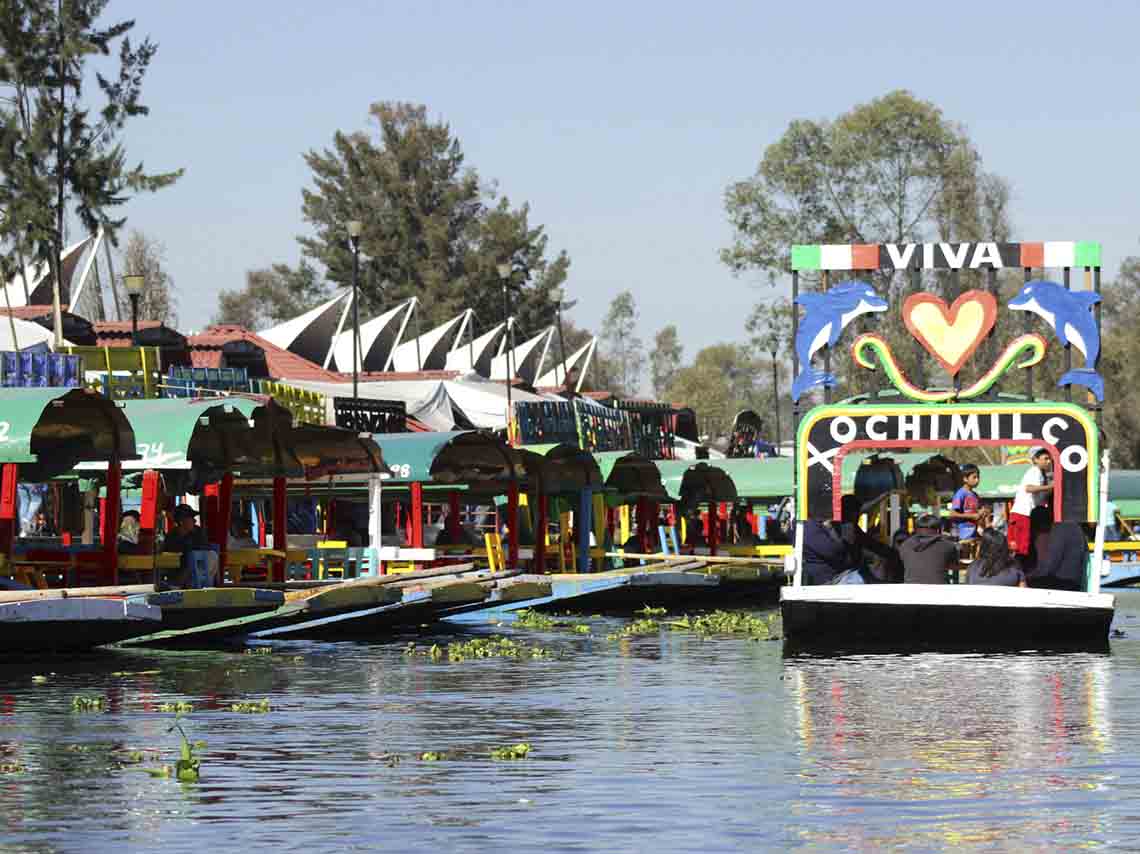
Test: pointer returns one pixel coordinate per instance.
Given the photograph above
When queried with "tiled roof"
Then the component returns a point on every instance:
(122, 327)
(30, 312)
(281, 364)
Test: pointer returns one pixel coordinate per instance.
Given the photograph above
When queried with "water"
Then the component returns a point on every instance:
(668, 743)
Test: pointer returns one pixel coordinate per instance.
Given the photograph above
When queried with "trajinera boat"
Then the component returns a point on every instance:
(963, 415)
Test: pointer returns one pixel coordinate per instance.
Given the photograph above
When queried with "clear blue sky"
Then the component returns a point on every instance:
(621, 122)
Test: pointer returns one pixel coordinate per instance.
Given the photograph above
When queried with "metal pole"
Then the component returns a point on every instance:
(1068, 347)
(561, 345)
(134, 320)
(355, 319)
(510, 342)
(1028, 328)
(776, 398)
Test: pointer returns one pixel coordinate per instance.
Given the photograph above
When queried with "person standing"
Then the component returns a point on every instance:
(966, 507)
(1033, 491)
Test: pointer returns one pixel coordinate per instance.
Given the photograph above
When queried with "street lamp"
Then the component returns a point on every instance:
(556, 295)
(505, 270)
(134, 285)
(773, 349)
(355, 229)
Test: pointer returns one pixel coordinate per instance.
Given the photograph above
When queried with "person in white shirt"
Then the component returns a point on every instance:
(1033, 491)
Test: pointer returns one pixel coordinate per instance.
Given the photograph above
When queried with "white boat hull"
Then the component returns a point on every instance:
(910, 615)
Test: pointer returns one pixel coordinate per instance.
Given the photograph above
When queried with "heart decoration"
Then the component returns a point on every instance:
(950, 335)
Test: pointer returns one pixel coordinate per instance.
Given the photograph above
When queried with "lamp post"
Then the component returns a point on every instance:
(355, 229)
(504, 270)
(773, 349)
(556, 295)
(134, 285)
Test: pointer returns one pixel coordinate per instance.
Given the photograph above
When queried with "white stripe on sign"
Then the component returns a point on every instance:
(1060, 253)
(834, 256)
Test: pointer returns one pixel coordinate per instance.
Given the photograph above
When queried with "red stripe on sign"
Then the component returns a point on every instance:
(1032, 254)
(865, 256)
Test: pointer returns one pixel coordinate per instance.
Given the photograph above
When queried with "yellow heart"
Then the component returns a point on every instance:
(950, 334)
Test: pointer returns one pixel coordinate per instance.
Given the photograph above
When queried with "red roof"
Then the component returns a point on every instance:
(30, 312)
(206, 352)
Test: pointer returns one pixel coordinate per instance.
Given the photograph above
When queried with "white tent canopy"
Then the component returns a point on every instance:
(526, 359)
(379, 338)
(311, 334)
(28, 334)
(429, 351)
(477, 355)
(38, 275)
(578, 361)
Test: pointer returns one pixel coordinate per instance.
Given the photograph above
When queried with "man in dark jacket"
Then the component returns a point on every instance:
(926, 555)
(1063, 566)
(826, 554)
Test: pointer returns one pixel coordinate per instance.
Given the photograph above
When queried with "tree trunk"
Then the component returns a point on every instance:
(60, 188)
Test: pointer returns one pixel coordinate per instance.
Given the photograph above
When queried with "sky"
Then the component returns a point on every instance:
(622, 123)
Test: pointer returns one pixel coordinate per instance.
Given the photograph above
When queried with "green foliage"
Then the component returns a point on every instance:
(56, 147)
(495, 646)
(722, 380)
(433, 756)
(180, 706)
(665, 360)
(894, 170)
(251, 708)
(272, 295)
(726, 623)
(512, 751)
(650, 611)
(88, 704)
(432, 228)
(12, 768)
(621, 345)
(643, 626)
(530, 619)
(1120, 347)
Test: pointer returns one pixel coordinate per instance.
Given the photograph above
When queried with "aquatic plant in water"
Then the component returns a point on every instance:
(12, 768)
(432, 756)
(180, 706)
(188, 767)
(529, 619)
(650, 611)
(495, 646)
(643, 626)
(511, 751)
(256, 708)
(726, 623)
(88, 704)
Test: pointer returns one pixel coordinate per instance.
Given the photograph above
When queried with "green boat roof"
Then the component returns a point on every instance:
(55, 428)
(456, 457)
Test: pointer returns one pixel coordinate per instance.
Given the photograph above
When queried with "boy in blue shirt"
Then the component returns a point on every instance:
(967, 506)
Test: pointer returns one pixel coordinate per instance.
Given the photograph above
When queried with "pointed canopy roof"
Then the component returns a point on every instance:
(526, 359)
(429, 351)
(477, 355)
(311, 334)
(379, 338)
(38, 275)
(578, 361)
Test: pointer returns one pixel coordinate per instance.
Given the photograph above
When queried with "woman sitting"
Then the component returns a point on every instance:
(995, 565)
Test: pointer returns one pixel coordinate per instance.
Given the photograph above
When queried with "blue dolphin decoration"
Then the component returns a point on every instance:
(1070, 315)
(825, 317)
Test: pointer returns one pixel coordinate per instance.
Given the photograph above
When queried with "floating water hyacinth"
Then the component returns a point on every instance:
(650, 611)
(432, 756)
(726, 623)
(180, 706)
(637, 627)
(257, 708)
(88, 704)
(492, 647)
(12, 768)
(513, 751)
(528, 619)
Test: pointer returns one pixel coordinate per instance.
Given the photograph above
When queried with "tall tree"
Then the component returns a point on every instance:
(622, 346)
(55, 148)
(665, 360)
(144, 256)
(894, 170)
(1120, 348)
(722, 380)
(432, 230)
(272, 295)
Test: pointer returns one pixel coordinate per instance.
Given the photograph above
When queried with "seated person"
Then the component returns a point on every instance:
(129, 533)
(826, 554)
(1063, 566)
(742, 528)
(926, 554)
(862, 544)
(240, 536)
(186, 535)
(996, 564)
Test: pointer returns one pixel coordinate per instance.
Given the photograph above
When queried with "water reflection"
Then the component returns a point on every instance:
(951, 749)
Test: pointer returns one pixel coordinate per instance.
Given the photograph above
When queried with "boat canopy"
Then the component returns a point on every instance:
(631, 474)
(561, 468)
(469, 457)
(694, 482)
(758, 478)
(333, 450)
(49, 430)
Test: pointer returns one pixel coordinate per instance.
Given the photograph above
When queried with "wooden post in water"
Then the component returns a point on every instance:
(111, 520)
(417, 515)
(541, 511)
(453, 526)
(513, 524)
